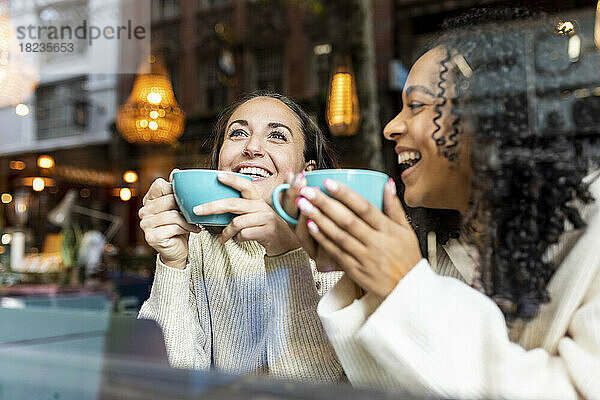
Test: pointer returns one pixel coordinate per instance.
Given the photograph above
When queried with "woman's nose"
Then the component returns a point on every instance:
(254, 147)
(396, 128)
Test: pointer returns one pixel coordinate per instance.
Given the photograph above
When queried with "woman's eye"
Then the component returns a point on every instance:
(416, 107)
(278, 136)
(237, 133)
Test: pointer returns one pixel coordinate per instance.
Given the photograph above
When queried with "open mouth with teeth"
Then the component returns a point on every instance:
(254, 172)
(408, 159)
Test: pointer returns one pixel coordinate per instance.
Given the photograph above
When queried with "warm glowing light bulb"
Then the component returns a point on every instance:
(341, 99)
(45, 162)
(17, 165)
(6, 198)
(21, 207)
(566, 28)
(154, 98)
(153, 125)
(38, 184)
(342, 105)
(21, 110)
(130, 176)
(144, 123)
(125, 194)
(6, 238)
(342, 111)
(153, 114)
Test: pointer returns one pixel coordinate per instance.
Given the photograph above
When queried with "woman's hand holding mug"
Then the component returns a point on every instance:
(360, 224)
(255, 219)
(165, 229)
(288, 198)
(375, 249)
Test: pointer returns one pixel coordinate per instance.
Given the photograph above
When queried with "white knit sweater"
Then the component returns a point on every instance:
(236, 310)
(437, 335)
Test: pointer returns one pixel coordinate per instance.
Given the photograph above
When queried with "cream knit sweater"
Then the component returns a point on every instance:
(236, 310)
(436, 335)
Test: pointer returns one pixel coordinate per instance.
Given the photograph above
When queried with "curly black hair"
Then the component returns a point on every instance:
(527, 173)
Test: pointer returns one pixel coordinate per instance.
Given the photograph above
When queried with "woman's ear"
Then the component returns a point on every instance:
(310, 166)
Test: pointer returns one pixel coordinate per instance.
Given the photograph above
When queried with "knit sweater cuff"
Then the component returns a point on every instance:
(290, 278)
(290, 259)
(342, 312)
(171, 284)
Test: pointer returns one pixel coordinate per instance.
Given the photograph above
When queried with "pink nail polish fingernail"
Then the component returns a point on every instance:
(308, 192)
(392, 185)
(312, 226)
(331, 186)
(304, 205)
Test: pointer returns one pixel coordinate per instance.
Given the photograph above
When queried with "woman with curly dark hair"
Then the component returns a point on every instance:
(477, 134)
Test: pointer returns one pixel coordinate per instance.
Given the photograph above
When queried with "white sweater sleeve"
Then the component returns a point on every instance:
(173, 304)
(436, 334)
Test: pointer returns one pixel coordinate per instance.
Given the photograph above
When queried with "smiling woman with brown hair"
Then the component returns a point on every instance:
(518, 313)
(243, 300)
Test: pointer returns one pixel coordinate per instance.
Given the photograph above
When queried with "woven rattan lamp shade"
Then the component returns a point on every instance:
(151, 113)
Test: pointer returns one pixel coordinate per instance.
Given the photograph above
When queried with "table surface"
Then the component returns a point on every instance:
(61, 348)
(49, 289)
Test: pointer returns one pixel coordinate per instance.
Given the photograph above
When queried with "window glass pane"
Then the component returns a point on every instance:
(61, 109)
(60, 20)
(162, 9)
(216, 93)
(269, 70)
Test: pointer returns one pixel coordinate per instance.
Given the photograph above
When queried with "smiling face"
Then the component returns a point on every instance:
(263, 139)
(430, 178)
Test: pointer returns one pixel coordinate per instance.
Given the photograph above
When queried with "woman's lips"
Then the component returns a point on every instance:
(409, 171)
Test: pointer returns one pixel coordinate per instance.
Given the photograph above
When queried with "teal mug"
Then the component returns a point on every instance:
(368, 184)
(200, 186)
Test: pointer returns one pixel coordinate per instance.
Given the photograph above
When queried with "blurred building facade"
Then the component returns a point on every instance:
(68, 118)
(218, 50)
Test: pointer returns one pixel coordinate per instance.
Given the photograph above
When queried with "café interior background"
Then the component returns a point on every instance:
(84, 132)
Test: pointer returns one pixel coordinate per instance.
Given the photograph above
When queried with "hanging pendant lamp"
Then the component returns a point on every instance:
(342, 112)
(151, 113)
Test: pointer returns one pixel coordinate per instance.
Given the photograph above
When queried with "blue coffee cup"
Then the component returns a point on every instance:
(200, 186)
(368, 184)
